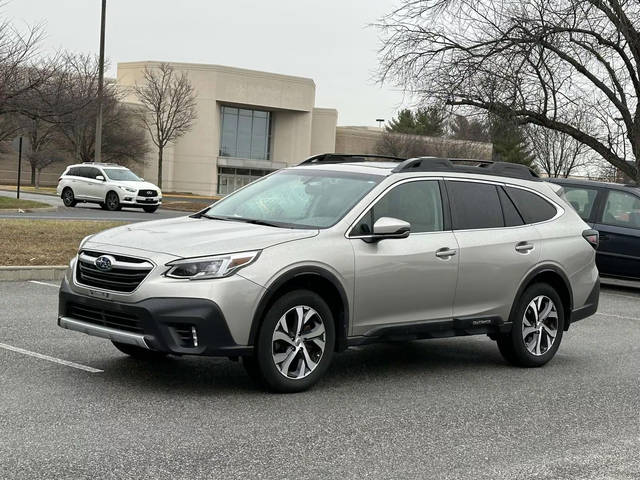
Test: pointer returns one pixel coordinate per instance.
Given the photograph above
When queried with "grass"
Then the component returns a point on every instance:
(6, 202)
(184, 206)
(44, 242)
(30, 189)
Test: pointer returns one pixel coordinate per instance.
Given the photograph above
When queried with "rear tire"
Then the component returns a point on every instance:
(112, 202)
(150, 209)
(537, 327)
(68, 198)
(295, 343)
(139, 353)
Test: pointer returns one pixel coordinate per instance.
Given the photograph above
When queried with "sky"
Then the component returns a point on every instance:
(329, 41)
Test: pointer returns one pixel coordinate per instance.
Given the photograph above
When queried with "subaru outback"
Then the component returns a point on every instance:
(338, 251)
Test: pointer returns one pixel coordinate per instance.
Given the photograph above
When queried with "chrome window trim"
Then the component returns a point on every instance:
(382, 194)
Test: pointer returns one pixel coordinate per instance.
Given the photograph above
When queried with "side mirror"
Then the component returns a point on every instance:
(387, 227)
(100, 177)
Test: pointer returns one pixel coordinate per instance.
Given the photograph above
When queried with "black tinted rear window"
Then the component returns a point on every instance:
(511, 216)
(474, 205)
(532, 207)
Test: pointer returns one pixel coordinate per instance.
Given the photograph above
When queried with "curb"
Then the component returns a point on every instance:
(40, 272)
(28, 210)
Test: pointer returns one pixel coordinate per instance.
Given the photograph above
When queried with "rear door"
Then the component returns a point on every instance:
(409, 280)
(619, 227)
(497, 248)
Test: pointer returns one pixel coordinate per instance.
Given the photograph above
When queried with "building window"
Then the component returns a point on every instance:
(245, 133)
(231, 179)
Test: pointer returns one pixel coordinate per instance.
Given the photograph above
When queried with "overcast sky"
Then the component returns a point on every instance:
(328, 41)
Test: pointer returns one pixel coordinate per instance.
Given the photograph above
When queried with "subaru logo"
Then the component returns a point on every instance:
(104, 263)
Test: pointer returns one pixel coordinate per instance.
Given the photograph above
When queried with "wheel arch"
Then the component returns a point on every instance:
(552, 275)
(315, 279)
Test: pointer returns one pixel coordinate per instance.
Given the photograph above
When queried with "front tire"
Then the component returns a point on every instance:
(538, 324)
(68, 198)
(139, 353)
(295, 343)
(112, 202)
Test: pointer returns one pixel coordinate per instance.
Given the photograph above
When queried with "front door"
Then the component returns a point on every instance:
(409, 280)
(619, 227)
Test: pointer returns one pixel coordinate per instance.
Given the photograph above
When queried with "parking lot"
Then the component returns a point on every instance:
(448, 409)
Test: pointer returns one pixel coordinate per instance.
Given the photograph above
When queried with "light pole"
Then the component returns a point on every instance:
(380, 122)
(98, 148)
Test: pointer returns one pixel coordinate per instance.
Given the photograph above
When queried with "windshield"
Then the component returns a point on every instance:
(122, 174)
(296, 198)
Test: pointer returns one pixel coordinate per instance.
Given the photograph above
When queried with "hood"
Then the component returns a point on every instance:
(136, 185)
(194, 237)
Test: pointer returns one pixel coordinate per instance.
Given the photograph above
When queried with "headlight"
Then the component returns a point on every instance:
(129, 189)
(218, 266)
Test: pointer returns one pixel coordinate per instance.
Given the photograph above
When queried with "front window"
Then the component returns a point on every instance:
(297, 198)
(245, 133)
(622, 209)
(121, 175)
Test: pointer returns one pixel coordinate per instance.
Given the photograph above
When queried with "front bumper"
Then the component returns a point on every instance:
(160, 324)
(130, 200)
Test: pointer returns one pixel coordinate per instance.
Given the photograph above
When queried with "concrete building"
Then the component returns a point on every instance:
(249, 123)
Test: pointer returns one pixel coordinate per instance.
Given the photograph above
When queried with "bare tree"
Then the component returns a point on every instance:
(74, 96)
(556, 154)
(170, 104)
(540, 62)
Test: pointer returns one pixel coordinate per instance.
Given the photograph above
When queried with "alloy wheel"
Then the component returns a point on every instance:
(112, 201)
(540, 325)
(67, 197)
(298, 342)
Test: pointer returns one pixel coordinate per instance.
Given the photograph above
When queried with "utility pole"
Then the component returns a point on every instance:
(98, 149)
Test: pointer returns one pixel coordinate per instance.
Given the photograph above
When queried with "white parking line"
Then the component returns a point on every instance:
(50, 359)
(617, 316)
(44, 283)
(609, 294)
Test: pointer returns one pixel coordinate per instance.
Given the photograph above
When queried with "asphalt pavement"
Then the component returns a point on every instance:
(434, 409)
(85, 211)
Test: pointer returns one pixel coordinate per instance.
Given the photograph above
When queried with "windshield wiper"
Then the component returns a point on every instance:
(257, 222)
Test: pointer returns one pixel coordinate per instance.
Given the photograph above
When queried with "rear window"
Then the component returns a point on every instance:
(474, 205)
(512, 217)
(532, 207)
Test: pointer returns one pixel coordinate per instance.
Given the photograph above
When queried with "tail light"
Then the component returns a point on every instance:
(593, 237)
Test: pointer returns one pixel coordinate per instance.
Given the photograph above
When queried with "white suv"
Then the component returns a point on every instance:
(109, 185)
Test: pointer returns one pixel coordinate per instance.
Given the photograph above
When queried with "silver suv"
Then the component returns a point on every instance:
(340, 251)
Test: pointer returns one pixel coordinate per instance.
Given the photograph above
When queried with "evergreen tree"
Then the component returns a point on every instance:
(509, 144)
(429, 121)
(475, 130)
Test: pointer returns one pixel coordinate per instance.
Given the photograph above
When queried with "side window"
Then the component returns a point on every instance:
(93, 172)
(622, 209)
(83, 172)
(474, 205)
(581, 199)
(74, 171)
(511, 216)
(532, 207)
(418, 203)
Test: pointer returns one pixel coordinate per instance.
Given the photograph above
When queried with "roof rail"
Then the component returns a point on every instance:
(346, 158)
(464, 165)
(102, 163)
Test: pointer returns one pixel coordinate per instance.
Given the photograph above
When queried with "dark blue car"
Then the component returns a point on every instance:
(614, 210)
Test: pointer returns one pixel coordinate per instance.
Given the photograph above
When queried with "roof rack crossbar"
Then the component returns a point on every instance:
(464, 165)
(347, 158)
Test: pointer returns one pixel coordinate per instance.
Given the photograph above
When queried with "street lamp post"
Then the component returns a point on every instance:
(380, 122)
(98, 148)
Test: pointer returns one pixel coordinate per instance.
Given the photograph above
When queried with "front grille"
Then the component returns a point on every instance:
(105, 318)
(147, 193)
(124, 276)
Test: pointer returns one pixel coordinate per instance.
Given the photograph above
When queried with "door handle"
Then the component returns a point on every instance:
(524, 247)
(445, 253)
